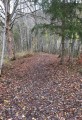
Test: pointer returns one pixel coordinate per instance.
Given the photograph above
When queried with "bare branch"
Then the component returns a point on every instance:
(1, 8)
(15, 8)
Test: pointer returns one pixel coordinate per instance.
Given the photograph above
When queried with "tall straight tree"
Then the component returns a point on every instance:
(8, 10)
(4, 39)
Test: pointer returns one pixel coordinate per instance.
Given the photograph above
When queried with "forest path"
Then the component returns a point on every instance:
(37, 88)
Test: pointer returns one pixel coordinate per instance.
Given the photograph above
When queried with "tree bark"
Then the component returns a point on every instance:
(62, 41)
(10, 40)
(62, 50)
(71, 51)
(4, 40)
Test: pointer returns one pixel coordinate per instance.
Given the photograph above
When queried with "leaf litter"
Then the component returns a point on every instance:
(38, 88)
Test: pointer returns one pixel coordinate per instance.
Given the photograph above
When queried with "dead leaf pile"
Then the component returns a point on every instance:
(38, 88)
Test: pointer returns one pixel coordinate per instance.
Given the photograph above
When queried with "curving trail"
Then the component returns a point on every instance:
(38, 88)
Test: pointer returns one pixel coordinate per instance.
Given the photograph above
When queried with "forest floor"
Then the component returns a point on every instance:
(38, 88)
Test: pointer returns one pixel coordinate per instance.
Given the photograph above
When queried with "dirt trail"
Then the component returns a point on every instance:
(37, 88)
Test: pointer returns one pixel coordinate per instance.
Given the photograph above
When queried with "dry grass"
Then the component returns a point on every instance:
(24, 54)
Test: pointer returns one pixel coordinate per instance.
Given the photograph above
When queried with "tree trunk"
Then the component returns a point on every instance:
(10, 41)
(55, 44)
(4, 39)
(79, 45)
(3, 49)
(71, 51)
(62, 42)
(62, 50)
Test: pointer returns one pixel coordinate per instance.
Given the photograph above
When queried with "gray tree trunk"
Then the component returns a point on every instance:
(4, 39)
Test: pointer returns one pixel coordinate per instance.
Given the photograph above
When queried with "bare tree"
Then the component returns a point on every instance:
(8, 10)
